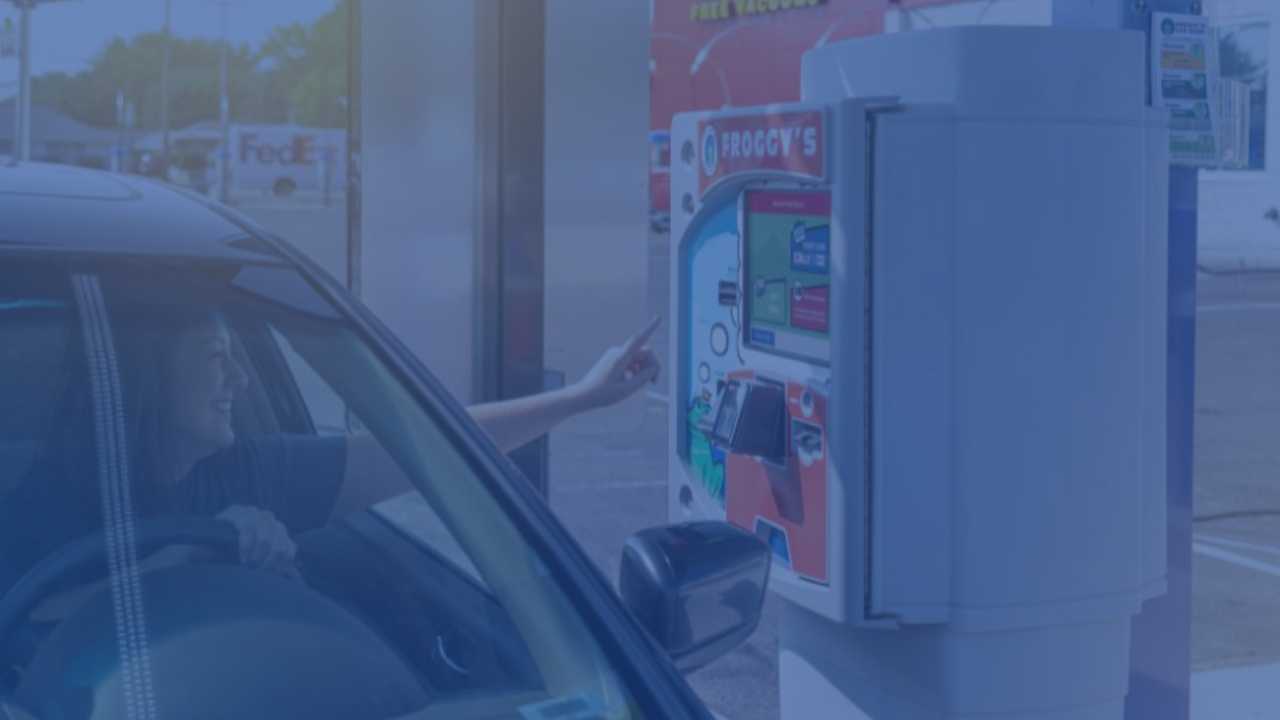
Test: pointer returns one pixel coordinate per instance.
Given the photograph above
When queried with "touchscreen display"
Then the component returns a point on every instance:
(787, 253)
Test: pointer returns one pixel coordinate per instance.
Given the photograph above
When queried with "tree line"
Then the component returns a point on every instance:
(298, 75)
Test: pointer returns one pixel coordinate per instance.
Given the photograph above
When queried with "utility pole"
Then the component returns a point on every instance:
(164, 89)
(117, 157)
(22, 138)
(224, 110)
(11, 50)
(22, 103)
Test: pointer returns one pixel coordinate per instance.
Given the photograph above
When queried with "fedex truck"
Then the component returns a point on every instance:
(286, 160)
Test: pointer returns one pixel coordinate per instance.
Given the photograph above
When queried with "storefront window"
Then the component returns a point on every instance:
(1243, 56)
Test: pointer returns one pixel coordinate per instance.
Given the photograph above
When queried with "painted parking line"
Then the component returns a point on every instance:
(1238, 307)
(1218, 553)
(1239, 693)
(1239, 544)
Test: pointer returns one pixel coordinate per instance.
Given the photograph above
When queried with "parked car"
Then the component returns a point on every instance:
(138, 321)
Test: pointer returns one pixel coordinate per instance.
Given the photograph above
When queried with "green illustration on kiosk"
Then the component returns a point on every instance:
(706, 468)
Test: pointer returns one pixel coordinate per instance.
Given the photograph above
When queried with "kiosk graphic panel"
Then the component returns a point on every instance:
(752, 272)
(710, 287)
(776, 468)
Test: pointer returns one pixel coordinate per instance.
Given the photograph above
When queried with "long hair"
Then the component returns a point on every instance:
(146, 342)
(66, 477)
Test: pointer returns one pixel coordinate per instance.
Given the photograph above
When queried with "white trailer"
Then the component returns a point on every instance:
(282, 161)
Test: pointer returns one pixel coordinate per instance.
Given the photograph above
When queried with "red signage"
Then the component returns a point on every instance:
(810, 308)
(786, 142)
(715, 54)
(792, 203)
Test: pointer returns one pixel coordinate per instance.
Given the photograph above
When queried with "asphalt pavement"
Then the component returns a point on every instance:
(1236, 555)
(608, 468)
(608, 475)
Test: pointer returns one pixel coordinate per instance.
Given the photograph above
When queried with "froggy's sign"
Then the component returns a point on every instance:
(785, 142)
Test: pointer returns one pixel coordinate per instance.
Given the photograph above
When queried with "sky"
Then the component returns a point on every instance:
(65, 35)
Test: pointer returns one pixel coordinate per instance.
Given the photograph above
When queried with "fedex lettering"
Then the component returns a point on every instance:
(297, 152)
(790, 142)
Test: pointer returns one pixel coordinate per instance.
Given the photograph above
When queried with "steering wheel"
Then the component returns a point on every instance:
(295, 633)
(78, 556)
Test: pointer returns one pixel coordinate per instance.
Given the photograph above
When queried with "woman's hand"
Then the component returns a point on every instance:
(512, 423)
(621, 371)
(264, 541)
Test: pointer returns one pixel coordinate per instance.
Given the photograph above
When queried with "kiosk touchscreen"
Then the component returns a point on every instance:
(787, 272)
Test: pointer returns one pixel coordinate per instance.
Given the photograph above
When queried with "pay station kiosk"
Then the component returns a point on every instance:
(919, 349)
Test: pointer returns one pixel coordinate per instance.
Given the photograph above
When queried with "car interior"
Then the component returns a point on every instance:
(383, 622)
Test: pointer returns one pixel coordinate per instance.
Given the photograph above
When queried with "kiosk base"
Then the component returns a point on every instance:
(1064, 672)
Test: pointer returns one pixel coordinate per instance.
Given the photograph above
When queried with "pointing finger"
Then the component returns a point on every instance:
(639, 339)
(644, 359)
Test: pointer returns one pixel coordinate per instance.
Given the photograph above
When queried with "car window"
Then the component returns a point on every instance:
(38, 362)
(36, 327)
(328, 412)
(168, 521)
(408, 513)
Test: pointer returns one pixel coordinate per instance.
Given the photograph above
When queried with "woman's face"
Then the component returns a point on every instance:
(205, 382)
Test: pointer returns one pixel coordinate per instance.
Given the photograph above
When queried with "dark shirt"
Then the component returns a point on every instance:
(295, 477)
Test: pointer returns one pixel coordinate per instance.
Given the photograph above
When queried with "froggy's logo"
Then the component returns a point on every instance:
(710, 151)
(1167, 26)
(786, 141)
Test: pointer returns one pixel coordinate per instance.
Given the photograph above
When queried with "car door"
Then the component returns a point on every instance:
(454, 594)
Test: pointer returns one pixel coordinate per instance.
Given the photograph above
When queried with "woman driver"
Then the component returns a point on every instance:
(182, 381)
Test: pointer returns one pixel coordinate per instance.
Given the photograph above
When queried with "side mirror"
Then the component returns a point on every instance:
(697, 587)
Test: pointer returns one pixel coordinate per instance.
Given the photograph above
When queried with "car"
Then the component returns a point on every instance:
(172, 373)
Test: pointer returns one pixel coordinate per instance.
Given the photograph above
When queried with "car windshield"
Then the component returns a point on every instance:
(217, 497)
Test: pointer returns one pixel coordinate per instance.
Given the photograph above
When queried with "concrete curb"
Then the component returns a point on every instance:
(1240, 693)
(1238, 262)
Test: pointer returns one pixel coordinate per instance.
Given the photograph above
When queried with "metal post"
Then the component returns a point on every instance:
(224, 112)
(117, 157)
(355, 104)
(510, 107)
(23, 150)
(1159, 686)
(486, 196)
(164, 90)
(326, 176)
(17, 112)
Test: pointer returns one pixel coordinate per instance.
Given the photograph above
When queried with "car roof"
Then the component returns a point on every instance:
(64, 208)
